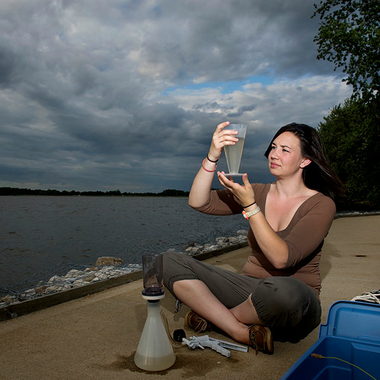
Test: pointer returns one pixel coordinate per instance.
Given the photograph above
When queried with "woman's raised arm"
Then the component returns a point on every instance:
(201, 188)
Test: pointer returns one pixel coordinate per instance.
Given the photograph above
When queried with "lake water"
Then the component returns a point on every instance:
(45, 235)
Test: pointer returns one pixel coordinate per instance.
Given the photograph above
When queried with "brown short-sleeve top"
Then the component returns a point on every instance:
(304, 235)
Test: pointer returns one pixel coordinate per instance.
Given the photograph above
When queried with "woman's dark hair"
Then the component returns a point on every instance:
(318, 175)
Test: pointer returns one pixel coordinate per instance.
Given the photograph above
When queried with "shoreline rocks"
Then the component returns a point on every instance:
(221, 242)
(108, 260)
(107, 267)
(73, 279)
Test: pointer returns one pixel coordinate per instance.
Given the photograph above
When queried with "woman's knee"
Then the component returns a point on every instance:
(183, 285)
(177, 267)
(282, 301)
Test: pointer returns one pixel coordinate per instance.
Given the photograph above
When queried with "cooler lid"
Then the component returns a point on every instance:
(352, 319)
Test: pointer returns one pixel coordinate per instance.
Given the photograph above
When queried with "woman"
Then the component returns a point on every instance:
(277, 295)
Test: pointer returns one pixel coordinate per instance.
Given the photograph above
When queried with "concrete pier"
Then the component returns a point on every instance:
(95, 337)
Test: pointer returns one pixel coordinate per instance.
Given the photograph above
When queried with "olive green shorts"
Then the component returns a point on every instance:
(285, 304)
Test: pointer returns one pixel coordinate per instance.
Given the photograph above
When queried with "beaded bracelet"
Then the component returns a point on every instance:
(208, 171)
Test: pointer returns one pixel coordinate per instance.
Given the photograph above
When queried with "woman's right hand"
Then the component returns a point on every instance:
(220, 139)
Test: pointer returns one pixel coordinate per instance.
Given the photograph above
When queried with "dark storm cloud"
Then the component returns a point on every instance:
(93, 93)
(232, 40)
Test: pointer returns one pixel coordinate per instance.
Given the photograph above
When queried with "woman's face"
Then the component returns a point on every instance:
(285, 156)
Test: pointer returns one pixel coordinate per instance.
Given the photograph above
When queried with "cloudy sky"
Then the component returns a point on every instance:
(125, 94)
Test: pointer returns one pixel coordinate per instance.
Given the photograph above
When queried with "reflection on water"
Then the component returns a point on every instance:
(41, 236)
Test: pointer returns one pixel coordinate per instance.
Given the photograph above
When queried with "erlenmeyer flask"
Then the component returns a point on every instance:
(154, 352)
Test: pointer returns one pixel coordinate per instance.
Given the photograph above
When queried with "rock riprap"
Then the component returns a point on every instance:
(108, 267)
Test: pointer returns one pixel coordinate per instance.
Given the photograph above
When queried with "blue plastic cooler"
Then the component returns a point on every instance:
(352, 334)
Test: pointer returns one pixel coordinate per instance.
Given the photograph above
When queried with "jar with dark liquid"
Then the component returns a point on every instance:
(153, 275)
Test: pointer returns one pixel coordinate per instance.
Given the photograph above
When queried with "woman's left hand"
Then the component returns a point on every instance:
(244, 193)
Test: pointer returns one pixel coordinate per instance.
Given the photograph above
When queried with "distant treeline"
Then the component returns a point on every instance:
(113, 193)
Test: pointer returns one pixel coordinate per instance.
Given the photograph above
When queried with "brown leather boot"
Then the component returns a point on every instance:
(261, 339)
(196, 322)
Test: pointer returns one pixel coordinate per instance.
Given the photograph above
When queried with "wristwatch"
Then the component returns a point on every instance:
(248, 214)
